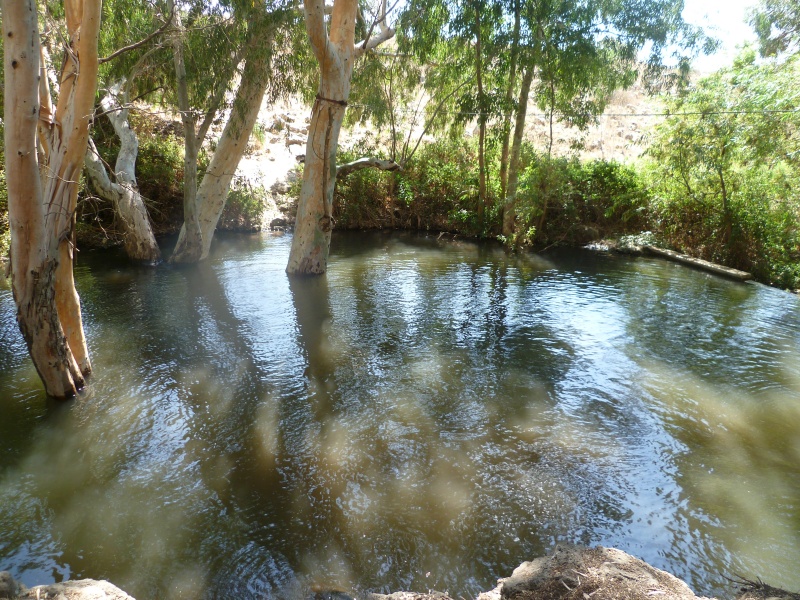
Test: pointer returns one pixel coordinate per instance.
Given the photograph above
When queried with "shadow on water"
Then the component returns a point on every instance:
(427, 415)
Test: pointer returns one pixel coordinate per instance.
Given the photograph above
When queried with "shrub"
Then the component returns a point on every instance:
(562, 200)
(244, 207)
(437, 189)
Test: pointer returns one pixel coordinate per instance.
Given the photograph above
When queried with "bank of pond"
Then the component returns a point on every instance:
(429, 414)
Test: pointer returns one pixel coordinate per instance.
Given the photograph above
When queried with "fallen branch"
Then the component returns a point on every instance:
(362, 163)
(365, 163)
(699, 263)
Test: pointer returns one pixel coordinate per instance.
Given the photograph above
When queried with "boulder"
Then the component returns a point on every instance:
(580, 573)
(84, 589)
(9, 587)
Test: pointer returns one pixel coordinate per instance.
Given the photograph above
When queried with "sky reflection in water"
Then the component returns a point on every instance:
(428, 415)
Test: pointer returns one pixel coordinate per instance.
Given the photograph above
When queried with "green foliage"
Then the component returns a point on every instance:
(777, 24)
(244, 207)
(724, 169)
(160, 161)
(559, 200)
(437, 189)
(363, 198)
(564, 200)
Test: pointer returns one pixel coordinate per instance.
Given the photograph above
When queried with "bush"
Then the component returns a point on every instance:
(437, 189)
(363, 199)
(724, 170)
(244, 207)
(562, 200)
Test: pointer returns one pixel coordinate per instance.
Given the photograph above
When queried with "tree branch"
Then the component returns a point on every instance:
(140, 43)
(344, 170)
(315, 27)
(385, 34)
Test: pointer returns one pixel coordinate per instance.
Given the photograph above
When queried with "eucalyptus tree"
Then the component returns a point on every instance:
(729, 154)
(260, 53)
(583, 51)
(777, 24)
(45, 143)
(464, 46)
(575, 52)
(334, 46)
(124, 65)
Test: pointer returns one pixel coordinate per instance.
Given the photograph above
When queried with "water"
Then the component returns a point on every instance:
(429, 415)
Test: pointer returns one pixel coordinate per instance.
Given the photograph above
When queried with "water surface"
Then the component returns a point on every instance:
(428, 415)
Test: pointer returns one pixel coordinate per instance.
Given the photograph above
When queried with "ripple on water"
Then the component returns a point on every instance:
(427, 415)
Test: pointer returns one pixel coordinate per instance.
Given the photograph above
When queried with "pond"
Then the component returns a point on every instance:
(427, 416)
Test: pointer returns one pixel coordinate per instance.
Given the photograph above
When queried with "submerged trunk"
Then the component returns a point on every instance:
(509, 206)
(312, 234)
(42, 212)
(190, 245)
(137, 234)
(335, 53)
(214, 187)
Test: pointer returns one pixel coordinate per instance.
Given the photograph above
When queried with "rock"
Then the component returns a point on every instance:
(579, 573)
(758, 590)
(431, 595)
(84, 589)
(9, 587)
(297, 130)
(494, 594)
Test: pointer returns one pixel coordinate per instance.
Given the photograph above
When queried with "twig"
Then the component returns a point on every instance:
(140, 43)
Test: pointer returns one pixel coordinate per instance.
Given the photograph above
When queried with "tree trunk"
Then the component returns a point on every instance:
(190, 244)
(312, 233)
(509, 207)
(551, 117)
(214, 187)
(137, 234)
(481, 118)
(42, 213)
(335, 53)
(512, 83)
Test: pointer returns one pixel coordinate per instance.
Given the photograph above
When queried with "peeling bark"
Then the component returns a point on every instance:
(137, 234)
(42, 200)
(335, 53)
(214, 188)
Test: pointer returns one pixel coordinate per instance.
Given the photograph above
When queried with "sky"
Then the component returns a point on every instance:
(726, 20)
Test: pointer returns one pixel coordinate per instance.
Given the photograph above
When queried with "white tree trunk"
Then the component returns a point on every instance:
(190, 244)
(137, 234)
(335, 53)
(214, 187)
(42, 213)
